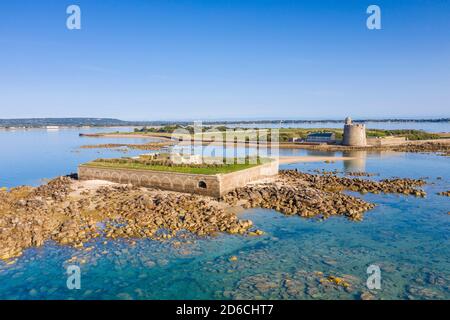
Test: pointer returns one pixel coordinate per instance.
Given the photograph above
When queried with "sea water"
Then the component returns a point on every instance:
(406, 237)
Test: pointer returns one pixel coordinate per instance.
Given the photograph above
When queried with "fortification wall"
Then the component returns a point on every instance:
(181, 182)
(208, 185)
(233, 180)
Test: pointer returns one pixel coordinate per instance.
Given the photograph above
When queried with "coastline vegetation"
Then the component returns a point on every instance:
(172, 128)
(146, 163)
(286, 134)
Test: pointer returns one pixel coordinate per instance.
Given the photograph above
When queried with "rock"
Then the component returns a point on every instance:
(338, 281)
(31, 216)
(124, 296)
(256, 233)
(33, 293)
(367, 296)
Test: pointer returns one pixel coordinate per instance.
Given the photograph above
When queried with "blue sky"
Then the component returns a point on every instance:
(218, 59)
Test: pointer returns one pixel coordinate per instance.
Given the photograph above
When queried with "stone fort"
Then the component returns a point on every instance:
(354, 134)
(209, 185)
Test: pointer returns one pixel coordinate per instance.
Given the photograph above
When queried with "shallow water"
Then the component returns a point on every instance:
(28, 156)
(407, 237)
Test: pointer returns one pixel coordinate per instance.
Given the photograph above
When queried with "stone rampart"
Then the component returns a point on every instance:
(208, 185)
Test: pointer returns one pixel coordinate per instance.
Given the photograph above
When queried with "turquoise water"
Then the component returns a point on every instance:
(407, 237)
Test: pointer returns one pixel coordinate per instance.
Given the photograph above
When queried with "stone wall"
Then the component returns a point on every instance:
(208, 185)
(386, 141)
(231, 181)
(180, 182)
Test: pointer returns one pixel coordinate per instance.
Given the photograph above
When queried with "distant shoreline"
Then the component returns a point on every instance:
(110, 123)
(436, 145)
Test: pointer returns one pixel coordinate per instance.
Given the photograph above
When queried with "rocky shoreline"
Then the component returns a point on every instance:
(311, 195)
(440, 147)
(72, 213)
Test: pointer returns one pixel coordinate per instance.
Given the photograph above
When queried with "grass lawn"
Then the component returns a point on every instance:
(227, 168)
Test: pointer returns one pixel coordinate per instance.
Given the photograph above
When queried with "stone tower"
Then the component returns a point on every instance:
(354, 134)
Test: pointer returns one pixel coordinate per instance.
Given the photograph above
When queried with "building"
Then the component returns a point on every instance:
(295, 139)
(354, 134)
(321, 137)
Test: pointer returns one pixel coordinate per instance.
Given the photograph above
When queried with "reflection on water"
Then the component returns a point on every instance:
(357, 164)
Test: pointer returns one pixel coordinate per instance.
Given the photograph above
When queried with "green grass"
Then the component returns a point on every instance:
(226, 168)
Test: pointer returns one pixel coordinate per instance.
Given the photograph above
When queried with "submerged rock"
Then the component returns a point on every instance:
(367, 296)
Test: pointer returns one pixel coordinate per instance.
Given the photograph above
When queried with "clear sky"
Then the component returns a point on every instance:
(217, 59)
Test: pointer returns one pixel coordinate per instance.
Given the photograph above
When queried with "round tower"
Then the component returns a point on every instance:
(354, 134)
